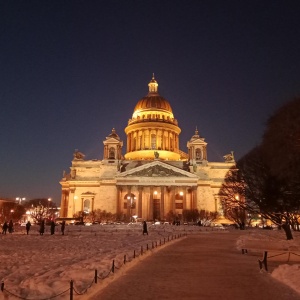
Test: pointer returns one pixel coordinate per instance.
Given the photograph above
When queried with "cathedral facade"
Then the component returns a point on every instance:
(154, 177)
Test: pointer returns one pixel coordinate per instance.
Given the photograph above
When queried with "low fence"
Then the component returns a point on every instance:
(71, 290)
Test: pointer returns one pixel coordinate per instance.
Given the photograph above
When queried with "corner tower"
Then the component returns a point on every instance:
(152, 128)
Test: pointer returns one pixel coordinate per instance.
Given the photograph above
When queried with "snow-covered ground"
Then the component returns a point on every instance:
(40, 267)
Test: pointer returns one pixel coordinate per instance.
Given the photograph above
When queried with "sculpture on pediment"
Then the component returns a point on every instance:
(156, 154)
(157, 171)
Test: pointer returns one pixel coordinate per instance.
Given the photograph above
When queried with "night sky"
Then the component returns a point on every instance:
(70, 71)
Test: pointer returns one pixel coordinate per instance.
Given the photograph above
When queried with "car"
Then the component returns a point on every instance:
(79, 223)
(23, 224)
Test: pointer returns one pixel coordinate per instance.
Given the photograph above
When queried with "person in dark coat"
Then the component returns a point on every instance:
(28, 225)
(42, 227)
(52, 227)
(63, 225)
(4, 227)
(10, 226)
(145, 229)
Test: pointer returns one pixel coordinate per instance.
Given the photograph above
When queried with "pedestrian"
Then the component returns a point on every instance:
(63, 225)
(10, 226)
(4, 227)
(145, 229)
(52, 227)
(28, 225)
(42, 227)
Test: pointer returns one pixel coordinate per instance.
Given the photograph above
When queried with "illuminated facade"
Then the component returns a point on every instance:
(154, 177)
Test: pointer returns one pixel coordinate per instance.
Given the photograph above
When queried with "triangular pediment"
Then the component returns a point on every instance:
(111, 140)
(156, 169)
(198, 141)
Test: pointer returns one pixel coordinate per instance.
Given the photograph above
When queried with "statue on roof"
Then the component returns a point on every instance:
(78, 155)
(156, 154)
(229, 157)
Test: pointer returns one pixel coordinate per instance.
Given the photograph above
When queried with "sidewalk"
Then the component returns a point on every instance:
(202, 266)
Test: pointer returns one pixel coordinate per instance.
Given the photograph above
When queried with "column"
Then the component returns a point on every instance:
(128, 201)
(118, 206)
(143, 139)
(150, 212)
(173, 199)
(149, 138)
(162, 202)
(140, 202)
(184, 197)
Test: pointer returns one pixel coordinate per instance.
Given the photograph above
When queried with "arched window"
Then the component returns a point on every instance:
(111, 153)
(153, 141)
(198, 153)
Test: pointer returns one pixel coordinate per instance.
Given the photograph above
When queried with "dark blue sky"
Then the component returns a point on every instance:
(73, 70)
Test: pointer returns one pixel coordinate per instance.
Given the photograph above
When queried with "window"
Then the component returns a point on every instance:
(87, 205)
(153, 141)
(111, 153)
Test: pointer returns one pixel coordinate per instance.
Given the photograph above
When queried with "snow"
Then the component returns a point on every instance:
(34, 266)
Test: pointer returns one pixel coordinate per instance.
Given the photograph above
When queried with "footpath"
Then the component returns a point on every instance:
(202, 266)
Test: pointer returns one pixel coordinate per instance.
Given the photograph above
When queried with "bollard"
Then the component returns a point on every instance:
(124, 259)
(168, 238)
(113, 267)
(71, 289)
(133, 253)
(2, 286)
(152, 245)
(96, 276)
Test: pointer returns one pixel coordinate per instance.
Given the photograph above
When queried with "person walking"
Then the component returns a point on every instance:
(63, 225)
(10, 226)
(28, 225)
(145, 229)
(4, 227)
(52, 227)
(42, 227)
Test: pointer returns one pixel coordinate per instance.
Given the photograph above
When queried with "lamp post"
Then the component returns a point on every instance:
(49, 214)
(74, 198)
(20, 199)
(131, 199)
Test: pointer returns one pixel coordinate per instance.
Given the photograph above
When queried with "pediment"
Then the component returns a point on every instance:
(198, 141)
(156, 169)
(111, 140)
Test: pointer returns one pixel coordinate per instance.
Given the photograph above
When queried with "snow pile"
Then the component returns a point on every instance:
(275, 240)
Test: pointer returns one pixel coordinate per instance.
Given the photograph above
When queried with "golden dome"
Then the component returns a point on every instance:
(153, 101)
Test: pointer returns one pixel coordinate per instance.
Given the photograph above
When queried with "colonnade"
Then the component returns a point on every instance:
(144, 139)
(154, 202)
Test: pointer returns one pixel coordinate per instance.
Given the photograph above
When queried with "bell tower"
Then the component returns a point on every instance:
(112, 146)
(197, 148)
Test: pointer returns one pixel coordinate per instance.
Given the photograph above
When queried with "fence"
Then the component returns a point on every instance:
(72, 289)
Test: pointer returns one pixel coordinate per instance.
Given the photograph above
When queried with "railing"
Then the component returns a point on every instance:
(127, 258)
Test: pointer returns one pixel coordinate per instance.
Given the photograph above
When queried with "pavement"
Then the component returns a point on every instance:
(202, 266)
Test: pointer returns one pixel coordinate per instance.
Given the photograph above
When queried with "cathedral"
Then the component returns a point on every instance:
(154, 177)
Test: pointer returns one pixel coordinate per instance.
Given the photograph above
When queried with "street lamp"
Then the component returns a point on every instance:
(74, 198)
(131, 199)
(49, 201)
(20, 199)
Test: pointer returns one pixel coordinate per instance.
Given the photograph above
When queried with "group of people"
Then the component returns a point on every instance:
(10, 227)
(52, 227)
